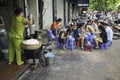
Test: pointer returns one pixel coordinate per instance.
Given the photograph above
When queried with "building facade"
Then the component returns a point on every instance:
(44, 11)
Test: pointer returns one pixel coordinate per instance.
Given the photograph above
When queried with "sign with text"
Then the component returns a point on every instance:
(83, 3)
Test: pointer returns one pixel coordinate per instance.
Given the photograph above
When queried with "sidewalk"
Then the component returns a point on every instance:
(81, 65)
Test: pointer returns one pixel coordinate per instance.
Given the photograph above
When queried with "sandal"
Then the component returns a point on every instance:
(21, 63)
(9, 63)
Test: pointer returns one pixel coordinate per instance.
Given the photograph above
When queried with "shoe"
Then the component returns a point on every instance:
(64, 49)
(97, 47)
(9, 63)
(21, 63)
(82, 47)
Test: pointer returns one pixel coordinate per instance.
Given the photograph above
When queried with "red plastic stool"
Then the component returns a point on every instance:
(88, 47)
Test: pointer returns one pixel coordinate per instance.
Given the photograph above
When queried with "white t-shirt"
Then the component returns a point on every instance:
(118, 15)
(109, 33)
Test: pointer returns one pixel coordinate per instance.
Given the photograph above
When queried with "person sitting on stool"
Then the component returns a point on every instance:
(62, 38)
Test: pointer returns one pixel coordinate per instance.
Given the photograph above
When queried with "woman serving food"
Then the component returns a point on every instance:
(15, 35)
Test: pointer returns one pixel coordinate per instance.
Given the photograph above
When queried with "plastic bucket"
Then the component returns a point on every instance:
(49, 61)
(5, 54)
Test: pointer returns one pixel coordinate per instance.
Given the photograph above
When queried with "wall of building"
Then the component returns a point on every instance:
(75, 11)
(47, 14)
(60, 9)
(33, 4)
(66, 12)
(7, 13)
(71, 12)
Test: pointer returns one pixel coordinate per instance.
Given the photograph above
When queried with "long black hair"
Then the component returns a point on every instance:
(102, 28)
(59, 20)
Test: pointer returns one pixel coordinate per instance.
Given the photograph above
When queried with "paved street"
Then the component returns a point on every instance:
(81, 65)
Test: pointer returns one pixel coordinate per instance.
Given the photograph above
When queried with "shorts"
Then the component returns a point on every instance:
(63, 41)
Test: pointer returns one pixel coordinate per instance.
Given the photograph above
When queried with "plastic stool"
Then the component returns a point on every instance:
(86, 39)
(5, 53)
(79, 31)
(70, 43)
(104, 46)
(60, 45)
(109, 43)
(92, 41)
(50, 35)
(56, 38)
(88, 47)
(72, 34)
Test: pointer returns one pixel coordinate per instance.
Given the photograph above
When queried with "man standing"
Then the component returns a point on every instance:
(109, 33)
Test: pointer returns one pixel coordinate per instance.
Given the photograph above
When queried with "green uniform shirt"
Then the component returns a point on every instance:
(17, 27)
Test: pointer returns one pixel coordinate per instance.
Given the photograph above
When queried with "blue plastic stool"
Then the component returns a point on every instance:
(56, 38)
(92, 41)
(70, 43)
(50, 35)
(86, 39)
(104, 46)
(72, 34)
(109, 43)
(79, 31)
(60, 45)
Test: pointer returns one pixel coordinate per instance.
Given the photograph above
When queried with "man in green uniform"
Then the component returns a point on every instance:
(15, 35)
